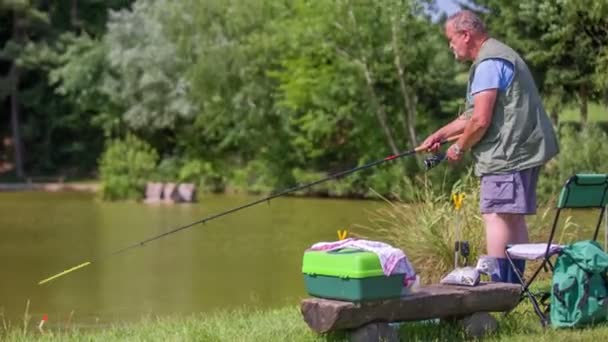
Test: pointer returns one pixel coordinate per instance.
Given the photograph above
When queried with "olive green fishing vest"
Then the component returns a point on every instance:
(521, 134)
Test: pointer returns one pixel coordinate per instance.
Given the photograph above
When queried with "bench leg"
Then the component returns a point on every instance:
(373, 332)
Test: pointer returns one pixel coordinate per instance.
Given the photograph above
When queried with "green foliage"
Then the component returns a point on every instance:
(167, 170)
(202, 173)
(597, 114)
(390, 180)
(334, 187)
(79, 76)
(125, 167)
(270, 90)
(280, 92)
(341, 90)
(582, 152)
(254, 177)
(57, 137)
(147, 75)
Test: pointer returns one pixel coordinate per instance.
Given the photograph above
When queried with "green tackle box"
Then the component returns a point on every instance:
(348, 274)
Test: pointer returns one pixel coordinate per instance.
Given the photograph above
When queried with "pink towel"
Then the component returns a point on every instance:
(392, 260)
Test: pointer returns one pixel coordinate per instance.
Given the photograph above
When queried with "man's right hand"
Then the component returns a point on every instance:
(433, 142)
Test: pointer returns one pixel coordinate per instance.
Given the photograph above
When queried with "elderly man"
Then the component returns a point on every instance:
(507, 130)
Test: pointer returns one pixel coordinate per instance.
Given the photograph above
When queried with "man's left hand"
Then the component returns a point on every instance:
(454, 153)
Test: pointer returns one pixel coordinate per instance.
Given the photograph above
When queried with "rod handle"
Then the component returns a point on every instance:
(450, 139)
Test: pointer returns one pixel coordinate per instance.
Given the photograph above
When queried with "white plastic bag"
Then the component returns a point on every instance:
(487, 265)
(468, 276)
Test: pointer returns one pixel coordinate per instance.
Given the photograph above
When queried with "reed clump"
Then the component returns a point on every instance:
(427, 228)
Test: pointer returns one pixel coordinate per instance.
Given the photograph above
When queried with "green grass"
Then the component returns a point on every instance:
(286, 324)
(596, 113)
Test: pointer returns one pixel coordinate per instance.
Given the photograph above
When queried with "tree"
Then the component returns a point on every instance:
(388, 58)
(232, 47)
(23, 14)
(146, 73)
(57, 136)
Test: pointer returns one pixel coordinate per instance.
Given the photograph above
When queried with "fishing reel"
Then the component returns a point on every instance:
(433, 160)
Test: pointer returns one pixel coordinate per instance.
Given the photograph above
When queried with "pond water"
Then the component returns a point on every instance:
(251, 258)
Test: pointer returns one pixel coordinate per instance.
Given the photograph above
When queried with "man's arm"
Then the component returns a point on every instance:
(453, 128)
(478, 124)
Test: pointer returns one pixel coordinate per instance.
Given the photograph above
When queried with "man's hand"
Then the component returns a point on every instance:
(433, 142)
(454, 153)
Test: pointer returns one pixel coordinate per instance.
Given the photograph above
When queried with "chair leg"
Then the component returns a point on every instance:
(526, 291)
(537, 310)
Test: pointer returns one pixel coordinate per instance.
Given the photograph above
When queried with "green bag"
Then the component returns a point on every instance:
(579, 286)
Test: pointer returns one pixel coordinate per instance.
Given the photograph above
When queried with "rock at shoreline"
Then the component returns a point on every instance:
(187, 192)
(170, 192)
(153, 192)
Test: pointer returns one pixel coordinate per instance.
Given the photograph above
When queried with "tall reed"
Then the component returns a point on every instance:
(428, 227)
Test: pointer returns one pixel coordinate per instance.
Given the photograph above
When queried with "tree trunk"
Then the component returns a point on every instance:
(584, 98)
(376, 103)
(369, 80)
(409, 101)
(554, 115)
(380, 112)
(14, 76)
(74, 20)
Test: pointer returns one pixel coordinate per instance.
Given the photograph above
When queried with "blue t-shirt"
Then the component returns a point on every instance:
(492, 73)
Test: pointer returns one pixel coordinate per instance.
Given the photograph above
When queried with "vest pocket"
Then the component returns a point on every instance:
(498, 188)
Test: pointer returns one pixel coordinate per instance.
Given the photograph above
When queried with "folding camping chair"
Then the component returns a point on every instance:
(580, 191)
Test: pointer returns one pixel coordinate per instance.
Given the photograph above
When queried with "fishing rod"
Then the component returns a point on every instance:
(428, 163)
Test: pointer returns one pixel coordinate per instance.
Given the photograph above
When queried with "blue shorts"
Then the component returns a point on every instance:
(509, 193)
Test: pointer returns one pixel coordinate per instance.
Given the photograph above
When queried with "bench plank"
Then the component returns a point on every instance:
(428, 302)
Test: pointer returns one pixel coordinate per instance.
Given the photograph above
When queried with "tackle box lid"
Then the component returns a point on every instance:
(343, 263)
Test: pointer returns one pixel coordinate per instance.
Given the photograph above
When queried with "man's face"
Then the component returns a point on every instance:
(459, 42)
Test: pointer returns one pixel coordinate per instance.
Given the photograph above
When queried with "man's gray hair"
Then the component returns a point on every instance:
(466, 20)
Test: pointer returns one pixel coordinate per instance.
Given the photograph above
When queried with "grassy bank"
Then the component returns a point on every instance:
(286, 324)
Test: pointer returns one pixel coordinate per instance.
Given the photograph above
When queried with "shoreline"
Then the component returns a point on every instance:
(50, 187)
(94, 187)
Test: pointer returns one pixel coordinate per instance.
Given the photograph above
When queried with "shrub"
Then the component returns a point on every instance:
(255, 177)
(203, 174)
(427, 228)
(167, 170)
(581, 151)
(389, 181)
(125, 167)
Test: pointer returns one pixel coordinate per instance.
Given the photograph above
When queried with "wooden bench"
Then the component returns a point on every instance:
(368, 321)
